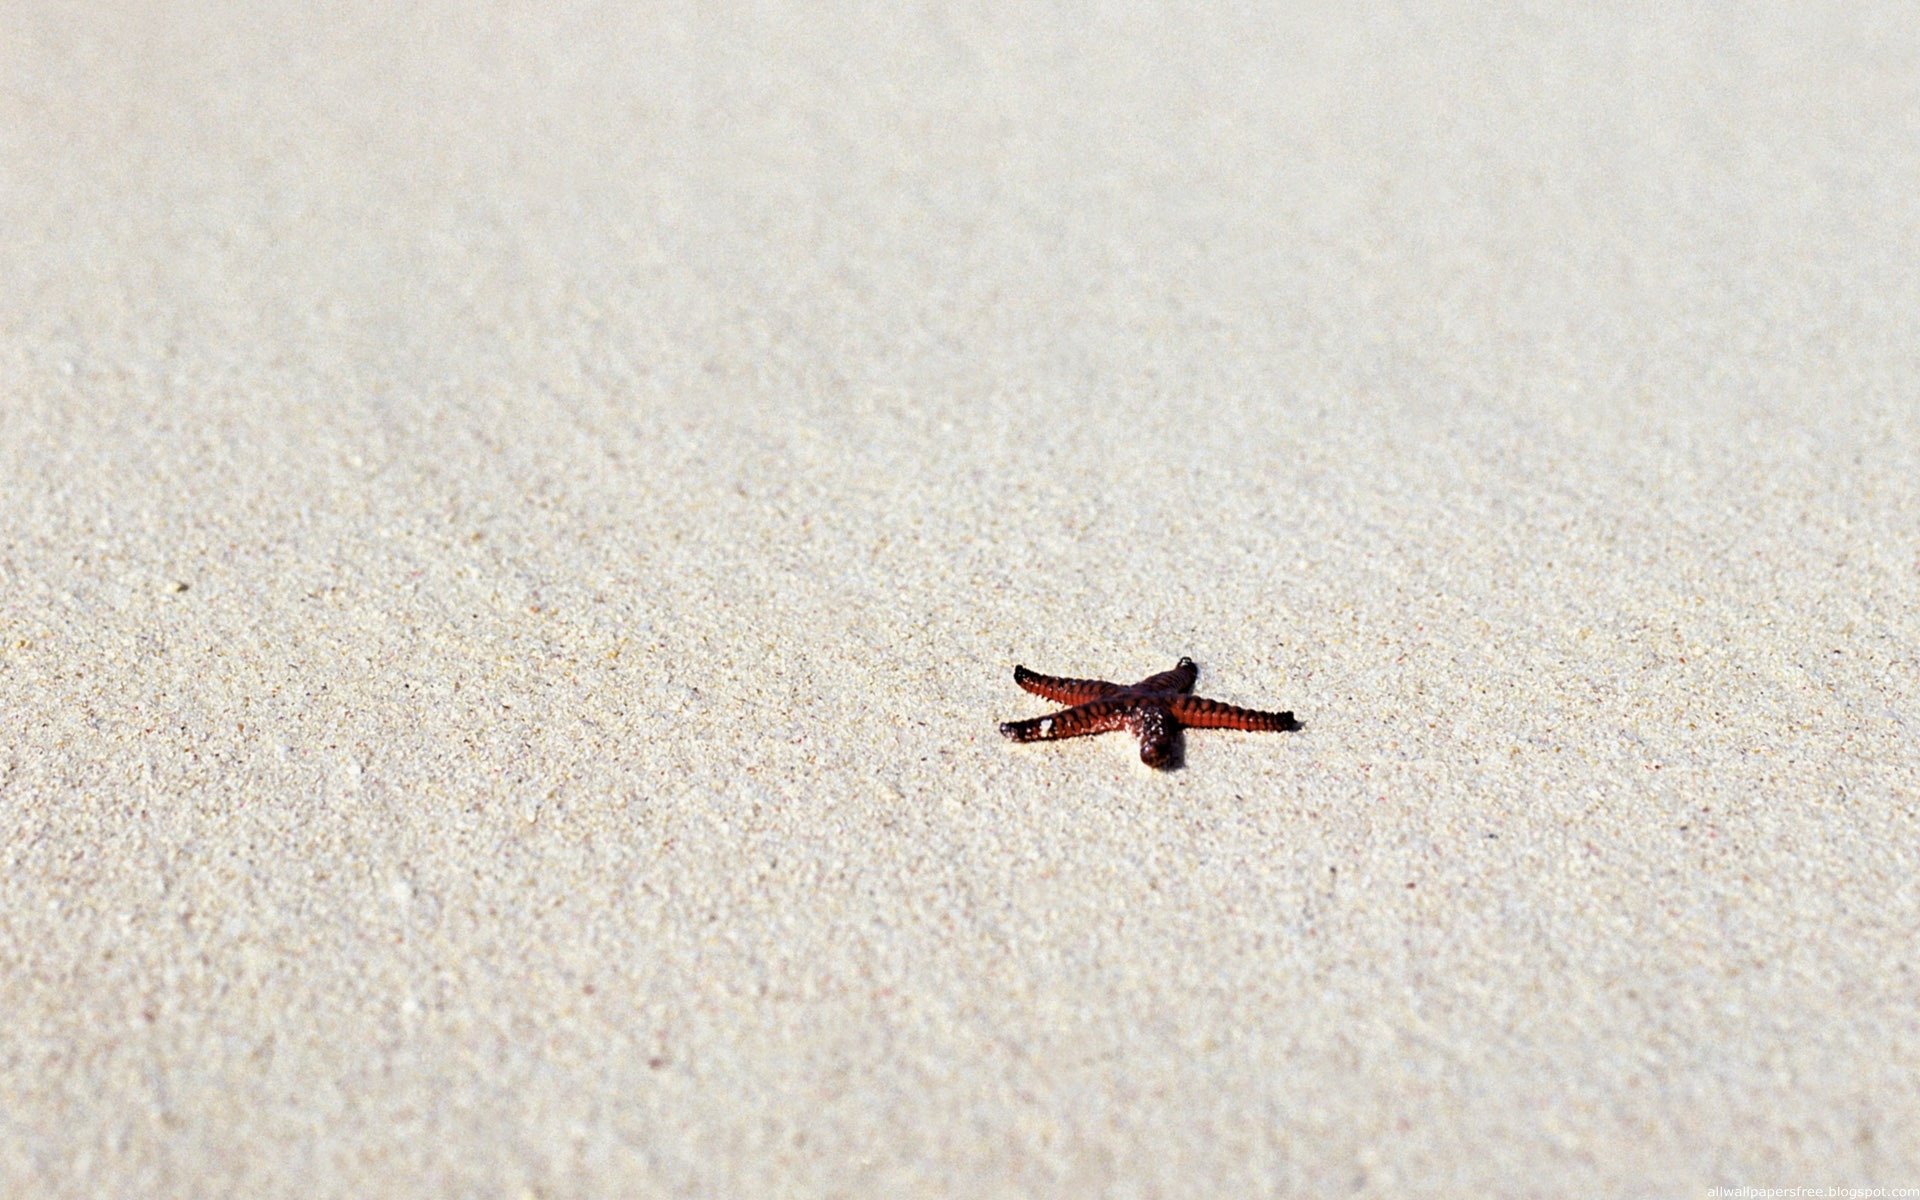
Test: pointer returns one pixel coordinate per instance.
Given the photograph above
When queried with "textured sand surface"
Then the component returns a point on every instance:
(516, 524)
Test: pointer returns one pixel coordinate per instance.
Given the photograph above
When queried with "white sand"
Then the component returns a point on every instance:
(515, 532)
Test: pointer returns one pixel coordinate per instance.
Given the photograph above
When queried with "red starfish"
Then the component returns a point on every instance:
(1153, 710)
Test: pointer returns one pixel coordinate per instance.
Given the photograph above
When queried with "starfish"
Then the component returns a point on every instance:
(1153, 710)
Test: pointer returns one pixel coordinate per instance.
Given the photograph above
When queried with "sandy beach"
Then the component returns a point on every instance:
(517, 523)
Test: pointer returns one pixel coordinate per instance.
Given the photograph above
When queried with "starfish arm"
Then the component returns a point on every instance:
(1180, 679)
(1063, 691)
(1158, 733)
(1095, 717)
(1198, 713)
